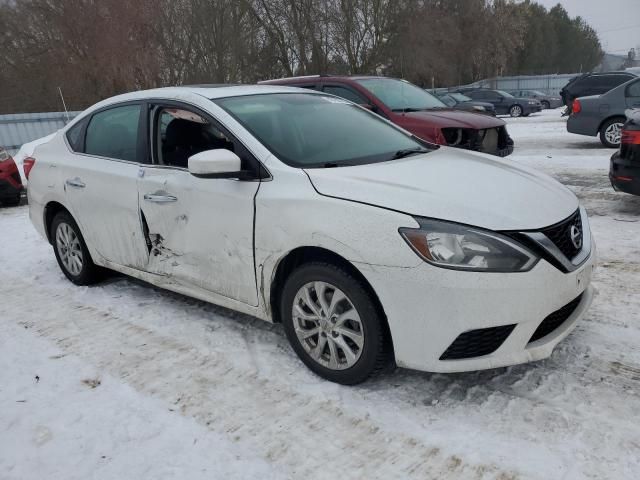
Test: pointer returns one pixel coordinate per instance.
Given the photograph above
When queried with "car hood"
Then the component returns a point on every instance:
(449, 118)
(452, 184)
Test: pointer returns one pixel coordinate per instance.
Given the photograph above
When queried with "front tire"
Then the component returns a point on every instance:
(333, 324)
(71, 251)
(611, 132)
(515, 111)
(545, 105)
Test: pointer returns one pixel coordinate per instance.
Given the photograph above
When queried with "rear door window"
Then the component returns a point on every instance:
(113, 133)
(633, 91)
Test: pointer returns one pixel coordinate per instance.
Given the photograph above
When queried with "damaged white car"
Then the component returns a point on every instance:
(369, 245)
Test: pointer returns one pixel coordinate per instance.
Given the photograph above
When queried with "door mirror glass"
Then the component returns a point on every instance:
(218, 163)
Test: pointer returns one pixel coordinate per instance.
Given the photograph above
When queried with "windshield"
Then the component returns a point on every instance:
(460, 97)
(309, 130)
(400, 96)
(448, 99)
(505, 94)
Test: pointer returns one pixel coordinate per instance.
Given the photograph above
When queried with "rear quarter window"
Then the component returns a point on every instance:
(75, 136)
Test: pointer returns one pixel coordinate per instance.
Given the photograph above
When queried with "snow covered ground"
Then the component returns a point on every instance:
(124, 381)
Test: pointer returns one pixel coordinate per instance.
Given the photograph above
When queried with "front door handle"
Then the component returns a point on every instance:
(157, 198)
(75, 182)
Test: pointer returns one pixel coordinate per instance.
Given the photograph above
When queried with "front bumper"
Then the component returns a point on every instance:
(428, 308)
(529, 109)
(624, 175)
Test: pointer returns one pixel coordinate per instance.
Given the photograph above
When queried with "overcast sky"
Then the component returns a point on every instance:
(616, 21)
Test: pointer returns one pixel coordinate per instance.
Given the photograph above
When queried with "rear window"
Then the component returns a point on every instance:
(310, 130)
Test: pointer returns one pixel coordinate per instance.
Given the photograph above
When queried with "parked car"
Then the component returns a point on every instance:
(10, 184)
(505, 103)
(462, 102)
(624, 171)
(590, 84)
(415, 110)
(367, 243)
(547, 101)
(604, 115)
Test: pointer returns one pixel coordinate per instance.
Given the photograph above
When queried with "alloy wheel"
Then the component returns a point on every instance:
(516, 111)
(613, 133)
(328, 325)
(69, 249)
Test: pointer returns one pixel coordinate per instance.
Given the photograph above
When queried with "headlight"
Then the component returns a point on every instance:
(459, 247)
(532, 102)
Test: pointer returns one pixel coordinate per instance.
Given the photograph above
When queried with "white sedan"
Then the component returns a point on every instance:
(370, 246)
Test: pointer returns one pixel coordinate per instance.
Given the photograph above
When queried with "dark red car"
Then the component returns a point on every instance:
(415, 110)
(10, 182)
(624, 171)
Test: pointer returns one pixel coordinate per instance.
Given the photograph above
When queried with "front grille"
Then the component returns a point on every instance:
(554, 320)
(476, 343)
(561, 235)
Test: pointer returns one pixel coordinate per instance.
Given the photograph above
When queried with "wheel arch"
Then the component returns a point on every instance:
(610, 117)
(302, 255)
(51, 209)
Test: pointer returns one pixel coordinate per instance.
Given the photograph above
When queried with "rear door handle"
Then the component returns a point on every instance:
(75, 182)
(156, 198)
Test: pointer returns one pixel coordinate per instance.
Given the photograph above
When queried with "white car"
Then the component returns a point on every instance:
(369, 245)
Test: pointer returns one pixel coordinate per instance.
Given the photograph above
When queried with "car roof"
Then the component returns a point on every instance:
(186, 92)
(210, 91)
(305, 78)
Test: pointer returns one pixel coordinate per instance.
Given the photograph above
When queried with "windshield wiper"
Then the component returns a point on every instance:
(408, 109)
(329, 165)
(408, 151)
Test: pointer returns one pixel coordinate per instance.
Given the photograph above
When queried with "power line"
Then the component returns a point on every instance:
(618, 29)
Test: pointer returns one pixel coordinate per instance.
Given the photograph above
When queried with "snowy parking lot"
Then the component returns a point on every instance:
(125, 381)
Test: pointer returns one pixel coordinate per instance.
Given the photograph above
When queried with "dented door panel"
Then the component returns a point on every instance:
(200, 231)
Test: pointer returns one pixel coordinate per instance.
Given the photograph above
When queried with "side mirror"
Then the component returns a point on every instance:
(218, 163)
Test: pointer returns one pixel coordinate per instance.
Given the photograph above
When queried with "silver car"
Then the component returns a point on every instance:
(603, 115)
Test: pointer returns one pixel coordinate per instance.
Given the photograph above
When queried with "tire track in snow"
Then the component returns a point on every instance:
(259, 413)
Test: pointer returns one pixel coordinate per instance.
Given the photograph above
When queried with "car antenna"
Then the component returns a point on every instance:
(64, 105)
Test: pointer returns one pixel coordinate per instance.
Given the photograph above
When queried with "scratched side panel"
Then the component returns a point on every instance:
(291, 214)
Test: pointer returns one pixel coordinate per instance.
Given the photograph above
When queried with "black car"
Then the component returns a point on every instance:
(505, 103)
(624, 172)
(592, 84)
(462, 102)
(547, 101)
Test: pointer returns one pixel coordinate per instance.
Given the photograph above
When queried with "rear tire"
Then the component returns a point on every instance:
(71, 251)
(343, 341)
(515, 111)
(611, 132)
